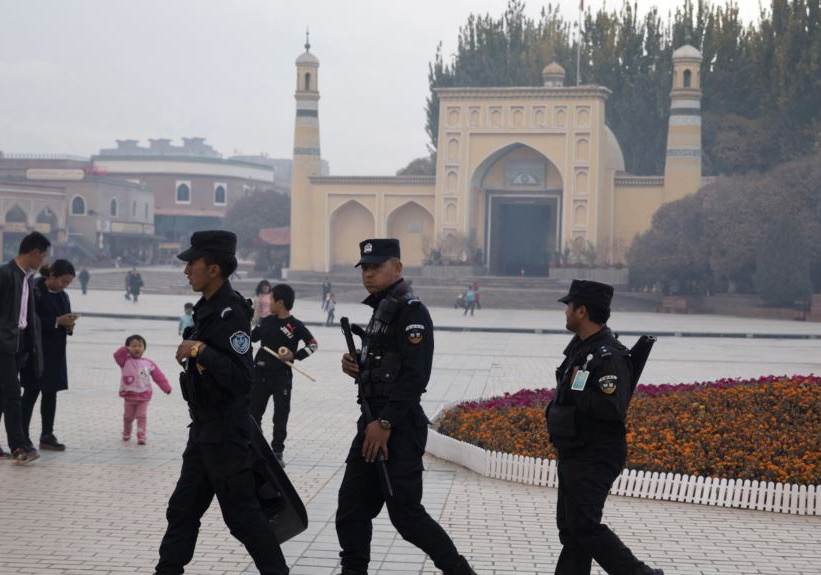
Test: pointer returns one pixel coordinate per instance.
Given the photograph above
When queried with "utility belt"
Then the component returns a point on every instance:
(376, 387)
(378, 382)
(561, 425)
(200, 394)
(379, 374)
(570, 429)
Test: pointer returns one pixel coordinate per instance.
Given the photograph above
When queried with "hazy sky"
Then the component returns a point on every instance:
(75, 75)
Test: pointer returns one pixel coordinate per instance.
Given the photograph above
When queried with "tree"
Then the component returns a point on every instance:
(782, 274)
(262, 208)
(670, 253)
(762, 79)
(424, 166)
(725, 234)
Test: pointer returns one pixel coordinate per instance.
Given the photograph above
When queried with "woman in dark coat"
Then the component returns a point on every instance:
(54, 310)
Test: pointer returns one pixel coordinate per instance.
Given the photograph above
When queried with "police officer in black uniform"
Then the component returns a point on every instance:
(216, 354)
(395, 365)
(586, 421)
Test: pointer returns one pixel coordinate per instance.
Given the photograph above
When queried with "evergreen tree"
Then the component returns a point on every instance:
(761, 82)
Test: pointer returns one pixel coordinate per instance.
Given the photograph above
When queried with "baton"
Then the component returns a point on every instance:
(366, 408)
(288, 363)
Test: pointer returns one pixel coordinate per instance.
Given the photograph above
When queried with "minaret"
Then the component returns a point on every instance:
(682, 169)
(306, 163)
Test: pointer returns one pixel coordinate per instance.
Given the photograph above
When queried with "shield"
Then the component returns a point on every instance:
(279, 500)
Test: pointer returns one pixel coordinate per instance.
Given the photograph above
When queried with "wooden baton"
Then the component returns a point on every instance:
(289, 363)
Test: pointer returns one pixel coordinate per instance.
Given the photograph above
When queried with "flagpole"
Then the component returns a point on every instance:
(579, 43)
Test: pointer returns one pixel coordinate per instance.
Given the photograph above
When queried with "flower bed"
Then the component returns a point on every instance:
(760, 429)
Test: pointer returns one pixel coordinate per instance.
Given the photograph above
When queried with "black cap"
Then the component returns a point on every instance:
(376, 251)
(210, 242)
(589, 293)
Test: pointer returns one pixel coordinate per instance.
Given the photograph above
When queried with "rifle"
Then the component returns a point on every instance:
(638, 357)
(366, 408)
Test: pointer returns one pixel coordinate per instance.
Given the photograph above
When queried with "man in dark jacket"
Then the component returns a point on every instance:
(19, 338)
(586, 421)
(394, 366)
(216, 355)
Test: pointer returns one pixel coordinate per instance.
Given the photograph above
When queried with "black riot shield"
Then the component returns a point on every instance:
(279, 500)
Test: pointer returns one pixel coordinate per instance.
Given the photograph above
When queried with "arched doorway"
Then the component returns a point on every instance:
(15, 229)
(412, 225)
(518, 202)
(350, 224)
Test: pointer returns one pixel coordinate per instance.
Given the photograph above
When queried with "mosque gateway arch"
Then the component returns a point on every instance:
(526, 177)
(516, 200)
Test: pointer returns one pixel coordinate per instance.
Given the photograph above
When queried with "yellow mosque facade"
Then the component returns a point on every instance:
(521, 174)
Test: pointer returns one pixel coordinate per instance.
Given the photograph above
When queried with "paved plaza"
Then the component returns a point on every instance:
(99, 506)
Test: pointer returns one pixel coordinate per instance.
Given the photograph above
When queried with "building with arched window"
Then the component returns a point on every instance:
(522, 174)
(193, 184)
(83, 212)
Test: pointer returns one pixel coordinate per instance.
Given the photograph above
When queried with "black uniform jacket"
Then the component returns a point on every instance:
(222, 373)
(11, 291)
(274, 333)
(400, 359)
(598, 411)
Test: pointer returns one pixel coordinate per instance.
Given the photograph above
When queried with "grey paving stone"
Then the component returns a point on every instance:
(99, 507)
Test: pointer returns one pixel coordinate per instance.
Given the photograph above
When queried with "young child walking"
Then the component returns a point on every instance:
(135, 384)
(272, 377)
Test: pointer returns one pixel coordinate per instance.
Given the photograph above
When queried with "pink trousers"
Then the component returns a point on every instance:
(138, 410)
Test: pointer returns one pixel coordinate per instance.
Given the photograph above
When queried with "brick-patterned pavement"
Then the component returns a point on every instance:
(99, 507)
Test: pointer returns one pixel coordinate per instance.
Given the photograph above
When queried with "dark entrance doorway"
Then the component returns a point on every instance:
(523, 234)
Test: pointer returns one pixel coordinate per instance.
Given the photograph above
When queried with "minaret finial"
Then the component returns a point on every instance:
(307, 40)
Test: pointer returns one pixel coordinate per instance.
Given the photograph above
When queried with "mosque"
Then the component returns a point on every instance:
(522, 173)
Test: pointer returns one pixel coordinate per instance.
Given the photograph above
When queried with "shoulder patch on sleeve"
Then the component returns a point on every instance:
(607, 383)
(240, 342)
(226, 312)
(414, 301)
(415, 333)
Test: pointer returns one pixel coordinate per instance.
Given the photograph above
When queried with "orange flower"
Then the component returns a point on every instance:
(766, 429)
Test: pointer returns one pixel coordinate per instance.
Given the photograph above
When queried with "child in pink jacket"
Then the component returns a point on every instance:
(135, 384)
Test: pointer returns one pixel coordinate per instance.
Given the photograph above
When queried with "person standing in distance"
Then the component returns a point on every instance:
(587, 425)
(216, 354)
(84, 278)
(395, 367)
(20, 338)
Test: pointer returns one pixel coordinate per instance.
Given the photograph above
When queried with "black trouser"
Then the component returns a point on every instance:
(279, 385)
(217, 461)
(48, 407)
(585, 478)
(10, 407)
(361, 499)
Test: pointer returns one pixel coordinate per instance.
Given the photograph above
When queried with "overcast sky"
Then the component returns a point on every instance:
(75, 75)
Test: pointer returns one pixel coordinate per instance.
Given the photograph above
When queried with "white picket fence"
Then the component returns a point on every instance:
(746, 494)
